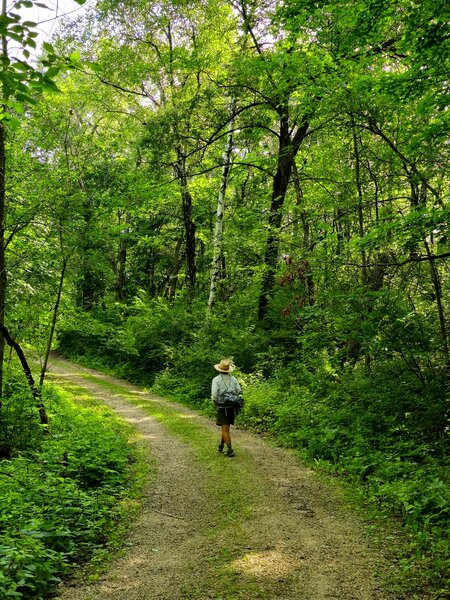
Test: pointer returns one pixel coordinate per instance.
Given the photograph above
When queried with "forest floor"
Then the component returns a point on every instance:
(257, 526)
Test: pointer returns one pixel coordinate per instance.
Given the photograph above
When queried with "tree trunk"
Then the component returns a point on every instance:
(189, 225)
(360, 199)
(310, 288)
(122, 261)
(287, 151)
(53, 325)
(440, 308)
(216, 272)
(173, 277)
(26, 369)
(360, 209)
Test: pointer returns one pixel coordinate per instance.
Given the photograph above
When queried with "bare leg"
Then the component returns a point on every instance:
(226, 437)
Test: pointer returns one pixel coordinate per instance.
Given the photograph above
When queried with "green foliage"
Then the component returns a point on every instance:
(262, 407)
(351, 363)
(20, 430)
(27, 568)
(157, 339)
(60, 499)
(21, 81)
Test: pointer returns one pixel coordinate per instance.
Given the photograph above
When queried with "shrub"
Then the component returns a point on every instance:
(20, 429)
(58, 501)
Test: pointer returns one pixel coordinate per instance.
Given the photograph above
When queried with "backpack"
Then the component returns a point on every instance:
(230, 399)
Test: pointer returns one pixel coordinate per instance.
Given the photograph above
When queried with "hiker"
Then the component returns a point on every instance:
(225, 382)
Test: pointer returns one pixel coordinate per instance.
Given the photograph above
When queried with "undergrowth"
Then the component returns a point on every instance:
(64, 495)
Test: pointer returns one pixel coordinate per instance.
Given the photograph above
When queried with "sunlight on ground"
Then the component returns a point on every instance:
(148, 436)
(267, 563)
(185, 416)
(125, 412)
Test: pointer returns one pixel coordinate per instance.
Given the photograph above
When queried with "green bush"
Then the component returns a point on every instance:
(20, 429)
(27, 567)
(262, 405)
(58, 502)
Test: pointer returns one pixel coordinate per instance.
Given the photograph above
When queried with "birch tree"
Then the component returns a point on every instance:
(216, 270)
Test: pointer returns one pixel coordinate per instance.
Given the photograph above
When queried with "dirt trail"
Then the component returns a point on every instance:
(295, 540)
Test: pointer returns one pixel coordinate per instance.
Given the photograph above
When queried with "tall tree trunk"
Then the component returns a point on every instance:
(216, 272)
(53, 325)
(189, 225)
(360, 198)
(418, 199)
(287, 151)
(87, 286)
(440, 307)
(353, 344)
(2, 217)
(173, 276)
(2, 249)
(122, 261)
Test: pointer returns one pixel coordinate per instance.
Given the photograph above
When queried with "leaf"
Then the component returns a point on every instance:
(52, 72)
(21, 66)
(14, 36)
(14, 123)
(50, 87)
(48, 47)
(19, 108)
(75, 56)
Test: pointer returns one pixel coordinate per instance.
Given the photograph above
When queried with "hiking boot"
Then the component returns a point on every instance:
(229, 453)
(220, 447)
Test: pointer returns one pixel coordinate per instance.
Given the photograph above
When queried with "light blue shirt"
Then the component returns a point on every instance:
(224, 382)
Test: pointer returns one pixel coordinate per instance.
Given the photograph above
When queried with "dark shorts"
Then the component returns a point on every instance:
(225, 416)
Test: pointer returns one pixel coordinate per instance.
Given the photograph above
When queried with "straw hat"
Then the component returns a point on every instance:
(225, 366)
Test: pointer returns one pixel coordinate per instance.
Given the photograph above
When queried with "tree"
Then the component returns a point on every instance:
(20, 82)
(175, 59)
(218, 256)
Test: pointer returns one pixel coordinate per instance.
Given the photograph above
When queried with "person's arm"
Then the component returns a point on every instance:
(214, 391)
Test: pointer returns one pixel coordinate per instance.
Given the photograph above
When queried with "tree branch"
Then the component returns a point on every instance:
(26, 369)
(412, 259)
